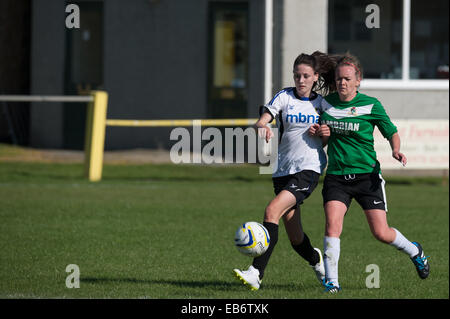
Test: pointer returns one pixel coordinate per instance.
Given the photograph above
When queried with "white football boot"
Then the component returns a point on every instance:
(319, 268)
(249, 277)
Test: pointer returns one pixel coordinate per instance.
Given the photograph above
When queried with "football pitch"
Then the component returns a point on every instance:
(166, 232)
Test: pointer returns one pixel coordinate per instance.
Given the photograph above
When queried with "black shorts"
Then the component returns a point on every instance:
(367, 189)
(300, 184)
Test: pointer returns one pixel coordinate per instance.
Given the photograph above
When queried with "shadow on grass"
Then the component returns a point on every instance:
(217, 284)
(181, 179)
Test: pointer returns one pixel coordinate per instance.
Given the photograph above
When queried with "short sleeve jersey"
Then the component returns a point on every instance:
(351, 144)
(297, 150)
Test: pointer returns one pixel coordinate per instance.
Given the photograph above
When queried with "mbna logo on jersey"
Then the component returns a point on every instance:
(302, 118)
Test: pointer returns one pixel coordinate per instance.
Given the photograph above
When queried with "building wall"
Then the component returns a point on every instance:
(155, 66)
(256, 56)
(304, 31)
(413, 104)
(15, 22)
(47, 72)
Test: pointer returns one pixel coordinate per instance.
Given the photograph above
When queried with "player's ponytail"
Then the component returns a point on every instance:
(325, 66)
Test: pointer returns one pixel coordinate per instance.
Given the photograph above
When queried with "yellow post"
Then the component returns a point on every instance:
(95, 135)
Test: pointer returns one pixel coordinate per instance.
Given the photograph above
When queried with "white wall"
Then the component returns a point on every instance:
(413, 104)
(304, 31)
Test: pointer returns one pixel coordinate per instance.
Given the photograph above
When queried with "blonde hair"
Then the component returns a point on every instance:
(351, 60)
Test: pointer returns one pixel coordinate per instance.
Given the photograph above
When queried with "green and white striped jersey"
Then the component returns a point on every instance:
(350, 147)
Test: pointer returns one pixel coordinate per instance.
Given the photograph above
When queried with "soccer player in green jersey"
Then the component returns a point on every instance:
(353, 169)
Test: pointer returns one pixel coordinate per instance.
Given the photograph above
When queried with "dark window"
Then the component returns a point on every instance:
(84, 68)
(228, 60)
(379, 49)
(429, 39)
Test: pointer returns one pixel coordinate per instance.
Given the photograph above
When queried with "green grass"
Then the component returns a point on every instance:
(166, 231)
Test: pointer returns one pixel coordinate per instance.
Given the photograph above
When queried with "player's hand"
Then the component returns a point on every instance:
(314, 130)
(265, 133)
(400, 157)
(324, 130)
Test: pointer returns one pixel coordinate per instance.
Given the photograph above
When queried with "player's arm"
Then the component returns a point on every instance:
(267, 114)
(389, 131)
(321, 130)
(262, 128)
(394, 140)
(324, 133)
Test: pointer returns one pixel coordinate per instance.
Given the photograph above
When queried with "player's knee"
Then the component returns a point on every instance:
(333, 229)
(271, 214)
(295, 239)
(382, 235)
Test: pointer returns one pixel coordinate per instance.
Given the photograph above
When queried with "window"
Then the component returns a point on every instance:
(84, 68)
(410, 43)
(228, 60)
(429, 39)
(379, 49)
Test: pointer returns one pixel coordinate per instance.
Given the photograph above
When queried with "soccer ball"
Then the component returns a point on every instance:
(252, 239)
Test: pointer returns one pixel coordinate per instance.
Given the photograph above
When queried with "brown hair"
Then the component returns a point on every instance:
(325, 66)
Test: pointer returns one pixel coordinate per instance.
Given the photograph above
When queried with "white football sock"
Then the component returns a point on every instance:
(331, 249)
(401, 243)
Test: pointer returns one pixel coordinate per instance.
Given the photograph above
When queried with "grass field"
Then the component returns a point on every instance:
(166, 231)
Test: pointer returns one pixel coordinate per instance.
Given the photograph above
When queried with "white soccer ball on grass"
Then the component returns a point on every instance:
(252, 239)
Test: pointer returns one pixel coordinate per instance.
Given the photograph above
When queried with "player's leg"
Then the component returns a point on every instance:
(374, 202)
(277, 207)
(380, 229)
(301, 244)
(337, 198)
(334, 221)
(282, 203)
(293, 226)
(301, 187)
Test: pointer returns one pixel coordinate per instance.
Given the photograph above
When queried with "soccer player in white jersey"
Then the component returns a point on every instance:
(353, 169)
(301, 160)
